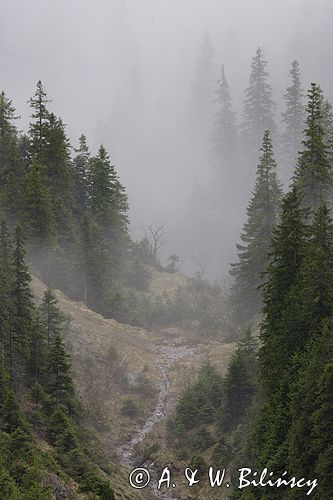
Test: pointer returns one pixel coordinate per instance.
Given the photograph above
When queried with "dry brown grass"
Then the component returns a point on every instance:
(91, 337)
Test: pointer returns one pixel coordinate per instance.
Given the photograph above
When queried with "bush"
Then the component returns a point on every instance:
(130, 408)
(202, 439)
(197, 462)
(144, 385)
(61, 431)
(93, 482)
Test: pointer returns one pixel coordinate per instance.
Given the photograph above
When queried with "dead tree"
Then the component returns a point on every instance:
(202, 261)
(156, 236)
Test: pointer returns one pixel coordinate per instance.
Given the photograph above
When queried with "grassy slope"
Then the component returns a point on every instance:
(91, 336)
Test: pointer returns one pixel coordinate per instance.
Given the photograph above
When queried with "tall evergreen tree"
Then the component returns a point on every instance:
(60, 181)
(59, 379)
(262, 216)
(38, 352)
(38, 130)
(202, 90)
(21, 298)
(224, 137)
(5, 248)
(38, 214)
(328, 129)
(313, 173)
(6, 277)
(268, 439)
(202, 93)
(293, 118)
(51, 316)
(8, 136)
(50, 149)
(5, 318)
(59, 172)
(95, 265)
(288, 248)
(10, 167)
(258, 113)
(296, 342)
(108, 204)
(239, 384)
(81, 167)
(107, 198)
(316, 276)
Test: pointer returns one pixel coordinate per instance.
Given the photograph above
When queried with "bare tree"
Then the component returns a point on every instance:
(156, 236)
(202, 261)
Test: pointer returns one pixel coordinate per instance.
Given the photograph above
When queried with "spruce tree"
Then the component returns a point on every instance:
(6, 248)
(107, 198)
(262, 216)
(258, 113)
(51, 316)
(60, 179)
(313, 173)
(21, 298)
(308, 303)
(37, 353)
(38, 215)
(8, 487)
(202, 88)
(95, 265)
(4, 313)
(57, 162)
(322, 420)
(6, 276)
(38, 130)
(239, 384)
(10, 168)
(81, 167)
(11, 415)
(309, 437)
(293, 118)
(6, 305)
(50, 147)
(59, 380)
(316, 276)
(8, 136)
(224, 137)
(201, 103)
(108, 206)
(328, 129)
(279, 332)
(295, 342)
(287, 254)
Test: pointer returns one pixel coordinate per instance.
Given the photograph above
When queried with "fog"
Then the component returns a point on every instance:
(123, 73)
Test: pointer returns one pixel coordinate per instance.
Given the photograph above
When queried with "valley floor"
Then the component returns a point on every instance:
(115, 363)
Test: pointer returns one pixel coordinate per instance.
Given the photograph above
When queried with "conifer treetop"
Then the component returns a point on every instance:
(258, 104)
(313, 173)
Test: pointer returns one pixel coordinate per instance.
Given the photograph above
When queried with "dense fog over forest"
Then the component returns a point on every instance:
(166, 249)
(124, 73)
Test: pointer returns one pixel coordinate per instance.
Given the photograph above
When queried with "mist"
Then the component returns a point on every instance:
(123, 73)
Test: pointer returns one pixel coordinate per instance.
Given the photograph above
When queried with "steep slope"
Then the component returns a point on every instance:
(128, 378)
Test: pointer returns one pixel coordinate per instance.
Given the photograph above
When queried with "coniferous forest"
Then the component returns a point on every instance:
(166, 275)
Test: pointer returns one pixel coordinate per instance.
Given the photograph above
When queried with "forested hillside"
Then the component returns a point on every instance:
(272, 409)
(44, 448)
(65, 220)
(73, 211)
(166, 256)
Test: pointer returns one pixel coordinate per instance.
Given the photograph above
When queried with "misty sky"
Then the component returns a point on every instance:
(121, 72)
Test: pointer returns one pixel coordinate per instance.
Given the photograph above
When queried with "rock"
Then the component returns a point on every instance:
(59, 489)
